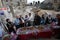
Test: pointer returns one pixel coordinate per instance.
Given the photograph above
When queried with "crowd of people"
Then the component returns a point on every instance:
(29, 20)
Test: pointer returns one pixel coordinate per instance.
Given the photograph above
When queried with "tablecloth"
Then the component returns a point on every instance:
(47, 33)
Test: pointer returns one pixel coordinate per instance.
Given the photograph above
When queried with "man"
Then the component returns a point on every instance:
(26, 20)
(17, 22)
(42, 20)
(31, 19)
(49, 19)
(58, 18)
(21, 21)
(37, 19)
(10, 26)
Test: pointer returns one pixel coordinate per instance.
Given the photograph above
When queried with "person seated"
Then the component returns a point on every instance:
(58, 18)
(42, 20)
(21, 19)
(17, 22)
(37, 19)
(10, 26)
(48, 20)
(26, 20)
(31, 19)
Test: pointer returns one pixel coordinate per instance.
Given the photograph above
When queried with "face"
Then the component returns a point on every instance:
(26, 16)
(17, 16)
(29, 14)
(8, 20)
(49, 15)
(43, 15)
(20, 16)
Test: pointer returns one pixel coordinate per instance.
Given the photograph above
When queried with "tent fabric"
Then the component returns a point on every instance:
(1, 12)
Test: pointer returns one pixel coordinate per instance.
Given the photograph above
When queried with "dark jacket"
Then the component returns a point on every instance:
(48, 21)
(37, 20)
(10, 27)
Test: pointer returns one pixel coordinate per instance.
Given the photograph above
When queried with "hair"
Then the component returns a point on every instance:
(29, 13)
(43, 16)
(7, 20)
(6, 36)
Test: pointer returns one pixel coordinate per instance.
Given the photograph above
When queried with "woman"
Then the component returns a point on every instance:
(10, 26)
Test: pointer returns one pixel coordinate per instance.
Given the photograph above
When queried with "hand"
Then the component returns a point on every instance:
(14, 28)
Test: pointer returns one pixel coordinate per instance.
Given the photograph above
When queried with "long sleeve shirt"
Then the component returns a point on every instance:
(17, 21)
(31, 18)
